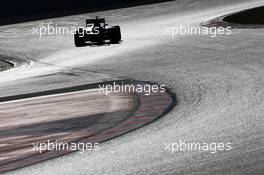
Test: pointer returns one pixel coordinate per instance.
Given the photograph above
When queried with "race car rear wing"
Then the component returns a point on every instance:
(96, 20)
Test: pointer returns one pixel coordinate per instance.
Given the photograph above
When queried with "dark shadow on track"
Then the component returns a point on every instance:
(251, 18)
(5, 65)
(23, 11)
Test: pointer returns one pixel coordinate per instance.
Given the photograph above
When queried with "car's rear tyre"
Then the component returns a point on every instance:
(79, 39)
(115, 34)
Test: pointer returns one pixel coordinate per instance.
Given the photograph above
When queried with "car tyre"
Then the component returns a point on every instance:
(79, 39)
(115, 34)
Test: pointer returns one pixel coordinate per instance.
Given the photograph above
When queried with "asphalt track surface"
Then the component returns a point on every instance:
(218, 82)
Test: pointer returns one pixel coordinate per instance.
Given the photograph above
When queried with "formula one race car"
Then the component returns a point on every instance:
(97, 32)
